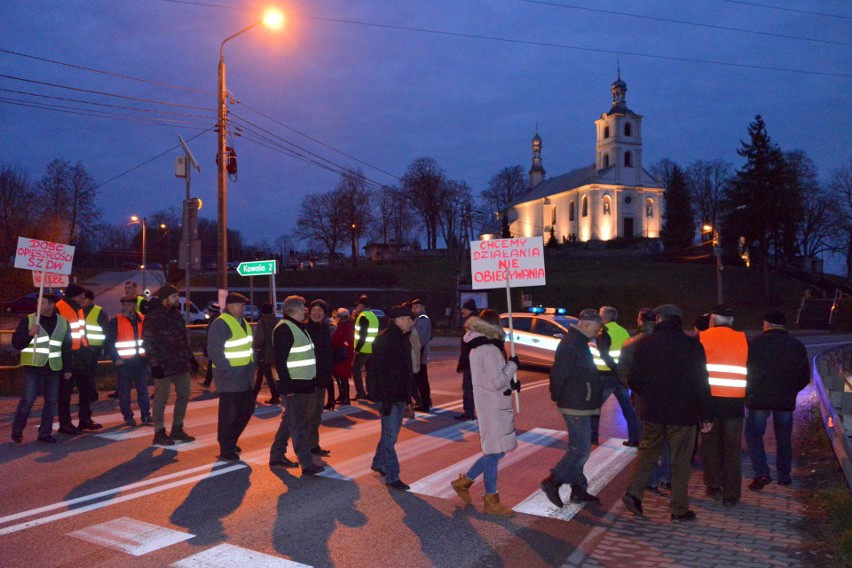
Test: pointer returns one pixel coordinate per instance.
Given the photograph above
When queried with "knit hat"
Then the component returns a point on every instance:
(647, 314)
(89, 294)
(590, 314)
(73, 290)
(775, 317)
(470, 305)
(236, 298)
(722, 310)
(165, 291)
(321, 303)
(399, 312)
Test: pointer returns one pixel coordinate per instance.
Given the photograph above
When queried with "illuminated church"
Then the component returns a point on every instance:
(614, 197)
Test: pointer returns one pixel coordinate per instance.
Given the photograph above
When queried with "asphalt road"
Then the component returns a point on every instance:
(111, 498)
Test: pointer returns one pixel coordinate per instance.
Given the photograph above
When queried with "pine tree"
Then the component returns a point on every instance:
(679, 218)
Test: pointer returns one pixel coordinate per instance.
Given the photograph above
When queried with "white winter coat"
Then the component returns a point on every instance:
(491, 374)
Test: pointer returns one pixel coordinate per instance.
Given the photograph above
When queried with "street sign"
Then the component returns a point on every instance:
(50, 280)
(44, 256)
(258, 268)
(507, 262)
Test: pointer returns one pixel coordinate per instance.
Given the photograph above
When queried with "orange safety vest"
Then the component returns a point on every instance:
(127, 344)
(76, 324)
(727, 355)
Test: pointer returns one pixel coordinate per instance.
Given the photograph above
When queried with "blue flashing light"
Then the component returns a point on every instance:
(537, 309)
(561, 311)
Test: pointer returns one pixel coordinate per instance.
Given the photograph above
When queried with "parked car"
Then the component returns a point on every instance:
(26, 304)
(321, 263)
(291, 263)
(306, 264)
(195, 315)
(252, 312)
(154, 266)
(130, 266)
(537, 333)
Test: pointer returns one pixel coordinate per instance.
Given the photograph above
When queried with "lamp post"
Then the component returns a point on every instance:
(141, 221)
(272, 19)
(717, 252)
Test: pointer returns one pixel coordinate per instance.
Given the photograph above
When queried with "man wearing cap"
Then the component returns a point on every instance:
(468, 309)
(423, 325)
(727, 356)
(320, 332)
(777, 370)
(70, 308)
(366, 330)
(96, 325)
(229, 344)
(124, 346)
(296, 364)
(392, 368)
(575, 387)
(45, 348)
(171, 360)
(668, 370)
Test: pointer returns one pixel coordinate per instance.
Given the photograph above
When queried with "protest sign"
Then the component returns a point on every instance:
(49, 280)
(44, 256)
(518, 262)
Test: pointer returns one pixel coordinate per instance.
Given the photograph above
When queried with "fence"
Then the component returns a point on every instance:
(833, 384)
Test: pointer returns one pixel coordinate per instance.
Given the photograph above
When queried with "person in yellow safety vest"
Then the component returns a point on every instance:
(70, 307)
(295, 362)
(45, 359)
(366, 330)
(606, 353)
(124, 346)
(96, 325)
(229, 346)
(727, 357)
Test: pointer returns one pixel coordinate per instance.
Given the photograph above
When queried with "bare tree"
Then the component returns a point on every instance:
(457, 201)
(395, 222)
(504, 187)
(17, 200)
(818, 222)
(423, 184)
(352, 201)
(841, 187)
(70, 195)
(319, 221)
(707, 181)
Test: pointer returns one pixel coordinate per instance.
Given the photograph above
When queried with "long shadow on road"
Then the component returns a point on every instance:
(211, 500)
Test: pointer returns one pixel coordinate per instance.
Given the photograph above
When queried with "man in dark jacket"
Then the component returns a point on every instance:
(777, 370)
(468, 309)
(575, 387)
(669, 372)
(264, 354)
(320, 332)
(51, 335)
(295, 362)
(171, 359)
(392, 369)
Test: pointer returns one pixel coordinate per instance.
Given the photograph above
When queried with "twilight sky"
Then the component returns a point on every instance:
(372, 79)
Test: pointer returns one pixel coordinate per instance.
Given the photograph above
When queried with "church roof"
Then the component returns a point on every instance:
(575, 178)
(619, 108)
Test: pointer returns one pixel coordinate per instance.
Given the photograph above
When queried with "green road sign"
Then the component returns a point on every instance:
(258, 268)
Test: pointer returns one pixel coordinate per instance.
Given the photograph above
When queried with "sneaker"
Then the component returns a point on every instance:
(70, 429)
(130, 421)
(398, 485)
(759, 483)
(688, 516)
(633, 504)
(179, 435)
(317, 451)
(17, 438)
(47, 439)
(312, 469)
(89, 425)
(283, 463)
(582, 496)
(162, 439)
(551, 489)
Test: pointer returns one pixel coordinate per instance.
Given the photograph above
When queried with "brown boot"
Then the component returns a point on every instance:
(493, 506)
(462, 487)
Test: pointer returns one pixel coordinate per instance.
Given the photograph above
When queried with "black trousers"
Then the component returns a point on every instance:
(82, 379)
(235, 411)
(421, 381)
(467, 394)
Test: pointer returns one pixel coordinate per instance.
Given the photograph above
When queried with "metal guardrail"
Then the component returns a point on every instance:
(834, 392)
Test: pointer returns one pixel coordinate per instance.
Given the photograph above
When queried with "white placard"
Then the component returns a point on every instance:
(50, 280)
(520, 261)
(44, 256)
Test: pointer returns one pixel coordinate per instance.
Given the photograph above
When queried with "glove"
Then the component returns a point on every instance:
(514, 359)
(386, 408)
(157, 372)
(515, 385)
(193, 363)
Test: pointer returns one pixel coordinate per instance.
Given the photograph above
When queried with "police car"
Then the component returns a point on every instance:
(537, 333)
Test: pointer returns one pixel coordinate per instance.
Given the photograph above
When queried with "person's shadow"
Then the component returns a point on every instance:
(299, 515)
(140, 467)
(211, 500)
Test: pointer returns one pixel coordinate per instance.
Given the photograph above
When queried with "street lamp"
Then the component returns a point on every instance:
(141, 221)
(717, 252)
(274, 20)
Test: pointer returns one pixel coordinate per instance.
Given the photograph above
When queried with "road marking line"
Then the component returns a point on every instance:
(606, 461)
(438, 484)
(117, 417)
(129, 497)
(228, 555)
(131, 536)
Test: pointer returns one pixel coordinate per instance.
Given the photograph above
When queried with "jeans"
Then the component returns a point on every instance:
(385, 458)
(755, 428)
(622, 395)
(681, 439)
(34, 382)
(315, 408)
(161, 396)
(358, 363)
(130, 376)
(570, 467)
(468, 406)
(722, 450)
(294, 424)
(235, 411)
(487, 464)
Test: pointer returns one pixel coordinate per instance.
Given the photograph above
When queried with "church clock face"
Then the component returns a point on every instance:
(628, 202)
(628, 199)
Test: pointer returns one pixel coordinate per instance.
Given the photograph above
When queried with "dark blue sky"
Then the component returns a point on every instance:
(347, 75)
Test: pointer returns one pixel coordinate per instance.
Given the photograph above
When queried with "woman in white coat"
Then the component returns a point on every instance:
(492, 386)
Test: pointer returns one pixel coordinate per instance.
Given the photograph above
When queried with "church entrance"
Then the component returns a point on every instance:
(628, 228)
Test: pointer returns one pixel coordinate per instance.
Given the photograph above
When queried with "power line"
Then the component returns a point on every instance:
(784, 9)
(685, 22)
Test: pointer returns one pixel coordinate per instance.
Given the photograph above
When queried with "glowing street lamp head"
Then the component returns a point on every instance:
(273, 19)
(134, 218)
(707, 228)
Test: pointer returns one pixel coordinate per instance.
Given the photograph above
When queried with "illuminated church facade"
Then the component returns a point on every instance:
(614, 197)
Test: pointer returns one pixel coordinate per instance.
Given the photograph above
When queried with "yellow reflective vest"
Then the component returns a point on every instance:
(372, 330)
(238, 349)
(47, 349)
(301, 361)
(95, 334)
(618, 335)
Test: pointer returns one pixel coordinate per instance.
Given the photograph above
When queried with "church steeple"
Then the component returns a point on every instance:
(619, 139)
(619, 94)
(537, 170)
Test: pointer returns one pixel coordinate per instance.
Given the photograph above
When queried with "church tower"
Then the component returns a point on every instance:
(619, 139)
(536, 171)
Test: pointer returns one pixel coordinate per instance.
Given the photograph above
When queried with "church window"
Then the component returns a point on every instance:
(628, 159)
(553, 216)
(571, 211)
(649, 208)
(628, 129)
(606, 161)
(606, 131)
(607, 205)
(584, 211)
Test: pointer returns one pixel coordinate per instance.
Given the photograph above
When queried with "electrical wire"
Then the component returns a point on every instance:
(784, 9)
